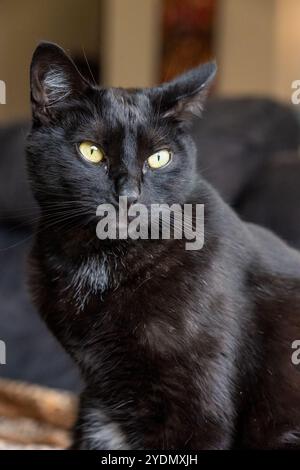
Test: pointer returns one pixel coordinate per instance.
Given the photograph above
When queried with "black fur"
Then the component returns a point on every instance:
(178, 349)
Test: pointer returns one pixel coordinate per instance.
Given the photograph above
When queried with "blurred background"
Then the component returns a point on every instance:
(248, 139)
(142, 42)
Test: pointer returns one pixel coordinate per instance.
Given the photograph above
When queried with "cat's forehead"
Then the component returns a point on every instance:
(126, 107)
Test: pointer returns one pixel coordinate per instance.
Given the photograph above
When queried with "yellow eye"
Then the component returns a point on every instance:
(159, 159)
(91, 152)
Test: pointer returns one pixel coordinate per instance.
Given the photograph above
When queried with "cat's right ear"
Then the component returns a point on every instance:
(54, 79)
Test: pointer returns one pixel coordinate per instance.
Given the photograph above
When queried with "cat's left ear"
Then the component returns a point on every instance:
(54, 79)
(184, 97)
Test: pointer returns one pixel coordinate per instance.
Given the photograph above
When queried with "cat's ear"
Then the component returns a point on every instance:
(54, 79)
(184, 97)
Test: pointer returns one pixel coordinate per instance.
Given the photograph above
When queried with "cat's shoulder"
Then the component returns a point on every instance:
(273, 252)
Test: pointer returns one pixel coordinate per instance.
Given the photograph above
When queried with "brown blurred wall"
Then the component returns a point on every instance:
(131, 40)
(256, 43)
(257, 46)
(71, 23)
(123, 35)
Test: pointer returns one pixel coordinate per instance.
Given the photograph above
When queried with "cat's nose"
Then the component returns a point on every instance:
(131, 194)
(132, 197)
(129, 189)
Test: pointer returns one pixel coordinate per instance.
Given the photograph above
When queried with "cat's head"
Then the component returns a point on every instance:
(89, 145)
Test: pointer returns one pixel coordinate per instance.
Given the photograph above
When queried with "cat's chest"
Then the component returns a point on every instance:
(117, 301)
(88, 279)
(99, 285)
(110, 302)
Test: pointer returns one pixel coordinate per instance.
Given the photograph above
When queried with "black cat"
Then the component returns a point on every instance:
(179, 349)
